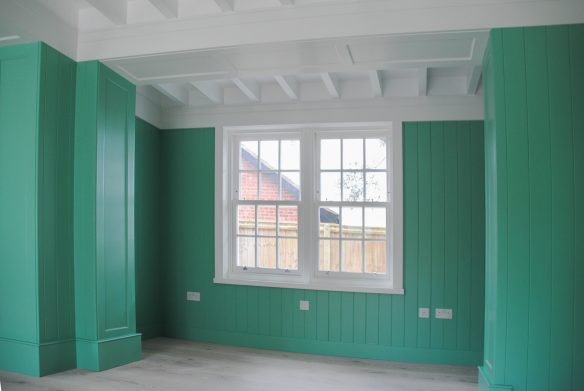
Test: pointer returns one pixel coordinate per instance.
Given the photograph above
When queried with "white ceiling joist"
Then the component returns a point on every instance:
(115, 10)
(376, 83)
(225, 5)
(289, 85)
(474, 79)
(249, 88)
(423, 81)
(212, 90)
(168, 8)
(331, 85)
(175, 92)
(287, 2)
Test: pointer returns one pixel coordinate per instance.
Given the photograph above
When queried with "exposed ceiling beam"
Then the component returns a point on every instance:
(474, 79)
(423, 81)
(251, 89)
(168, 8)
(289, 85)
(376, 83)
(175, 92)
(115, 10)
(331, 85)
(212, 90)
(225, 5)
(287, 2)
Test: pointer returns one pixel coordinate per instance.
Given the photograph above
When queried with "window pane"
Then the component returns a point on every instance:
(246, 252)
(248, 155)
(329, 222)
(330, 186)
(352, 219)
(353, 186)
(328, 259)
(375, 153)
(267, 220)
(352, 256)
(269, 186)
(352, 153)
(290, 186)
(288, 254)
(288, 220)
(267, 253)
(248, 185)
(290, 150)
(375, 257)
(330, 154)
(375, 219)
(376, 186)
(246, 220)
(269, 155)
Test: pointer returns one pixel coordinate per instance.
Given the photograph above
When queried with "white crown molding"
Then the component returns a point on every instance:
(323, 21)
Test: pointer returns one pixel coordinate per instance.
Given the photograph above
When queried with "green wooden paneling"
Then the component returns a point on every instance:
(444, 258)
(147, 223)
(37, 105)
(104, 219)
(534, 160)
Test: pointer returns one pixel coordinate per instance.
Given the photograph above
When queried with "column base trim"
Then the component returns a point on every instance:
(108, 353)
(485, 383)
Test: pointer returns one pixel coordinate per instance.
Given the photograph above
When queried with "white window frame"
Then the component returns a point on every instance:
(307, 276)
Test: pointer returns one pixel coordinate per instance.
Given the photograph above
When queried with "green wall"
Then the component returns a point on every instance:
(105, 313)
(444, 261)
(37, 92)
(147, 219)
(534, 146)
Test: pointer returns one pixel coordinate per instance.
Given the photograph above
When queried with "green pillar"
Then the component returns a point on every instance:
(105, 307)
(534, 147)
(37, 103)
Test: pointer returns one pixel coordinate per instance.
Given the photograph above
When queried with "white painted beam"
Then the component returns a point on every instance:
(175, 92)
(289, 85)
(115, 10)
(423, 81)
(376, 83)
(251, 89)
(225, 5)
(211, 89)
(331, 85)
(168, 8)
(474, 79)
(287, 2)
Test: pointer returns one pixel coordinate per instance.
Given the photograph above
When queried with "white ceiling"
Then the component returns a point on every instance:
(208, 53)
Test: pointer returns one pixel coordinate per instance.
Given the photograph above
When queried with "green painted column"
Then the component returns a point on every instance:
(534, 147)
(37, 103)
(105, 305)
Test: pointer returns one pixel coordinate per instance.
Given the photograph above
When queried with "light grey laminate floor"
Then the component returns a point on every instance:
(177, 365)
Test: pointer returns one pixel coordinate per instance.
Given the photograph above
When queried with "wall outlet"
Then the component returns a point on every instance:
(443, 313)
(194, 296)
(423, 312)
(304, 305)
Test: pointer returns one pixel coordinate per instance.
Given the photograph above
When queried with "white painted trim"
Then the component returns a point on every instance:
(167, 8)
(148, 110)
(115, 10)
(306, 276)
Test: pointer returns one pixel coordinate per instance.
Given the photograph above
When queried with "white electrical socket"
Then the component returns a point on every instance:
(423, 312)
(304, 305)
(443, 313)
(194, 296)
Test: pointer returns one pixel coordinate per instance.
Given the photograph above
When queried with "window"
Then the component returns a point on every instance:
(310, 208)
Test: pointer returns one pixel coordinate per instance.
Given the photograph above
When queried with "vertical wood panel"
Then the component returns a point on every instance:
(347, 325)
(409, 319)
(424, 231)
(577, 79)
(438, 231)
(310, 327)
(385, 320)
(359, 317)
(372, 321)
(299, 316)
(536, 75)
(334, 319)
(451, 231)
(562, 224)
(264, 314)
(276, 305)
(323, 318)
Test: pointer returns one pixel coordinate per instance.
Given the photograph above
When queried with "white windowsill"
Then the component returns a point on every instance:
(316, 285)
